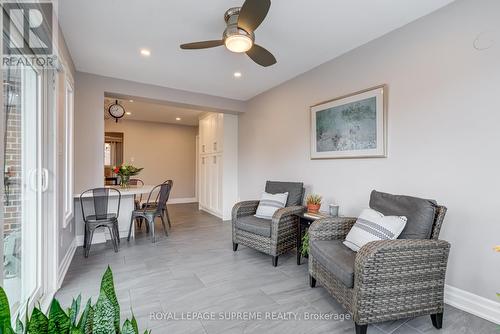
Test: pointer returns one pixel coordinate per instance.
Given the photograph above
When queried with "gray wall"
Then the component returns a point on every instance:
(89, 119)
(165, 151)
(443, 132)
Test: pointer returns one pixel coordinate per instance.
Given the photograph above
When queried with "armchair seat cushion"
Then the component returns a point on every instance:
(254, 225)
(336, 257)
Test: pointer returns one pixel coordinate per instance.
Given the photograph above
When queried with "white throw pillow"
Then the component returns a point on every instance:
(372, 225)
(269, 203)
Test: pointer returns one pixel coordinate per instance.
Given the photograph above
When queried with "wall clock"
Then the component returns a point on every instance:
(116, 111)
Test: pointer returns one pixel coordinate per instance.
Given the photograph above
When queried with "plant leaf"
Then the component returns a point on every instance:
(108, 288)
(75, 330)
(75, 309)
(128, 328)
(39, 323)
(19, 326)
(59, 322)
(7, 330)
(104, 317)
(4, 310)
(85, 323)
(134, 324)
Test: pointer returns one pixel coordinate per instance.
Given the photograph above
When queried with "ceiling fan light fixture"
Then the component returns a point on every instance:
(238, 43)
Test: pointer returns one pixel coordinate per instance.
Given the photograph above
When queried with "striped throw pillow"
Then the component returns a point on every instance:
(269, 203)
(372, 225)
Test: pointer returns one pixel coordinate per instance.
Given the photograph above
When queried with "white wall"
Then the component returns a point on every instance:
(89, 118)
(65, 232)
(443, 132)
(165, 151)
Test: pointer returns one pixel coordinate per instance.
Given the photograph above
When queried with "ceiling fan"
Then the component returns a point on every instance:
(239, 34)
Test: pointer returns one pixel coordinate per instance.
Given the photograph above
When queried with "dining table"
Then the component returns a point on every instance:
(127, 205)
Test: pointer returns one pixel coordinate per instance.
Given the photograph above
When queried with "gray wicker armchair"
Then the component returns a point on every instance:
(273, 237)
(388, 279)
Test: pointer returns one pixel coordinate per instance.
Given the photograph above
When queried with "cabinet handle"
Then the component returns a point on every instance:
(215, 159)
(215, 146)
(203, 148)
(202, 161)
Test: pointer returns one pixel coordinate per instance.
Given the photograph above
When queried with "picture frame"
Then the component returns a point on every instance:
(350, 126)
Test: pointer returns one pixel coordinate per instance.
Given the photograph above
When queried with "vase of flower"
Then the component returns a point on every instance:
(125, 172)
(124, 181)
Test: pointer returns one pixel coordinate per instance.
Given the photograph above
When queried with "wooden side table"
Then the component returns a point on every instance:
(302, 226)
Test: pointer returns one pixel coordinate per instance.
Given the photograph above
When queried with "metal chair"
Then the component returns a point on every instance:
(137, 198)
(149, 213)
(99, 215)
(155, 204)
(137, 201)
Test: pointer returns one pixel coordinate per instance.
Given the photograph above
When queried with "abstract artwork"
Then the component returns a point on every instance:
(351, 126)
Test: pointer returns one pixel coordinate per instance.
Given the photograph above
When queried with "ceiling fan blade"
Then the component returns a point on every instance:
(202, 45)
(252, 13)
(261, 56)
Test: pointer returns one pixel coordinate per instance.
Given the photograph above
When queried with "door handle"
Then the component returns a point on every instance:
(45, 179)
(215, 146)
(203, 148)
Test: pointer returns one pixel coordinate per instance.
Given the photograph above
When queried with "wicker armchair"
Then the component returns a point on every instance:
(393, 279)
(273, 237)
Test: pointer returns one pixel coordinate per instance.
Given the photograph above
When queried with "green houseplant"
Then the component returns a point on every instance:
(103, 317)
(313, 202)
(304, 250)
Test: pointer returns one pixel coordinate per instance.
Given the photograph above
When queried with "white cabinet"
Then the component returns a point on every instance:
(218, 163)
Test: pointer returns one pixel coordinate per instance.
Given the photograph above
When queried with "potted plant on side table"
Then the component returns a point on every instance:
(313, 203)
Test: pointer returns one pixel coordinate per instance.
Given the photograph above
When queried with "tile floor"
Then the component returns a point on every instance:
(194, 272)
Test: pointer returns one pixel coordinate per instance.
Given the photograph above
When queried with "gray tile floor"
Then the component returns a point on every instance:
(195, 270)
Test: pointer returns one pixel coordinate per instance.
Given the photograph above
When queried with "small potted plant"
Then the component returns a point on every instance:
(125, 172)
(313, 203)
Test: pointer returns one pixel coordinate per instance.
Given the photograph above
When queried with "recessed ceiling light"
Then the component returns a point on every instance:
(177, 118)
(237, 74)
(130, 101)
(128, 113)
(145, 52)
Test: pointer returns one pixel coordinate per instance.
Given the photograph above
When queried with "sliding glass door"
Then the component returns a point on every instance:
(25, 179)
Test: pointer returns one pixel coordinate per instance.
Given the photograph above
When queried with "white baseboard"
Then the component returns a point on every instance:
(471, 303)
(182, 200)
(65, 263)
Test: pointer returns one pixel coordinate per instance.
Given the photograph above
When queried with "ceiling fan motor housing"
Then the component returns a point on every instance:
(232, 29)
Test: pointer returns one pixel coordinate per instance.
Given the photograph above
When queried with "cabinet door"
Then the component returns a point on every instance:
(203, 135)
(219, 184)
(203, 182)
(219, 133)
(214, 183)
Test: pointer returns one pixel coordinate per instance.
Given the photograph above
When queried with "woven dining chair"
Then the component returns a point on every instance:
(149, 213)
(96, 213)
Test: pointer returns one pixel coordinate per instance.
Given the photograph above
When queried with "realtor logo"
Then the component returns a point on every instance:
(28, 34)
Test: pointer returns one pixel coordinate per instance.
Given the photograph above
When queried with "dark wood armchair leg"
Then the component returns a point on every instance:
(235, 246)
(275, 261)
(361, 329)
(437, 320)
(312, 281)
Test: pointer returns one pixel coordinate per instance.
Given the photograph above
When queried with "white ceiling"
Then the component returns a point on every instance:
(105, 36)
(154, 112)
